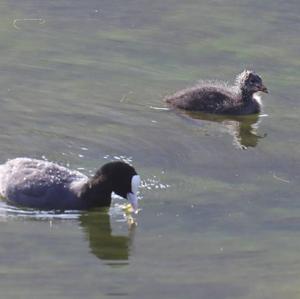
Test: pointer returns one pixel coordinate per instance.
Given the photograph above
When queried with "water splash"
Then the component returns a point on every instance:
(123, 158)
(153, 184)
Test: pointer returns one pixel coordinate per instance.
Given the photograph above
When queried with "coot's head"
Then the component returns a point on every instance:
(123, 179)
(250, 82)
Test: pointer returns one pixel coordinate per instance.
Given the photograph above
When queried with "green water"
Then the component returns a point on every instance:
(80, 82)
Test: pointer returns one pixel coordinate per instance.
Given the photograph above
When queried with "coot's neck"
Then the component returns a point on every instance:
(247, 96)
(97, 193)
(249, 103)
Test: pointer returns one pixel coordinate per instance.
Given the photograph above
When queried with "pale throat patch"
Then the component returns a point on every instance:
(257, 97)
(135, 184)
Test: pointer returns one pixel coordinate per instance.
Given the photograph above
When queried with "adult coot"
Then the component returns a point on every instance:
(219, 98)
(46, 185)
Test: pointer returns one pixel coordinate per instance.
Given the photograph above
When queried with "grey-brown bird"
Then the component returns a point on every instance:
(220, 98)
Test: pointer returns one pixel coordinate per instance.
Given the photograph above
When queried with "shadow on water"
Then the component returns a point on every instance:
(113, 249)
(243, 129)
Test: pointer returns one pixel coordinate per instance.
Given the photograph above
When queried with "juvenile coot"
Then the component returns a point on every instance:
(46, 185)
(219, 98)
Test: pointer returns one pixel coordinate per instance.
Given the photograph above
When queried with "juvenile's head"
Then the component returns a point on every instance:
(250, 82)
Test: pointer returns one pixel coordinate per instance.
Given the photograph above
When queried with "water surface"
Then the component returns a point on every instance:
(220, 216)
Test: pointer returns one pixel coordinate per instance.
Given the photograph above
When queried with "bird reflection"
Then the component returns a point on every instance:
(243, 129)
(113, 249)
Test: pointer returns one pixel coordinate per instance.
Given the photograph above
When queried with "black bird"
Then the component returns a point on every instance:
(219, 98)
(46, 185)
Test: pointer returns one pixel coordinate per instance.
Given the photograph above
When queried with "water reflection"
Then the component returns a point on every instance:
(243, 129)
(113, 249)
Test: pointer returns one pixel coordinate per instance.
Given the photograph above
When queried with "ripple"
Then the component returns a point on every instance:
(7, 211)
(125, 159)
